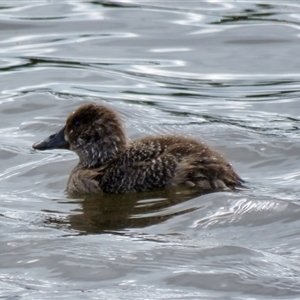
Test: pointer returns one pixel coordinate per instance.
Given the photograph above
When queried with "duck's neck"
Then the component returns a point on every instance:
(99, 155)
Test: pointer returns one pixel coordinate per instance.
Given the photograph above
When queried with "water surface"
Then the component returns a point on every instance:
(227, 73)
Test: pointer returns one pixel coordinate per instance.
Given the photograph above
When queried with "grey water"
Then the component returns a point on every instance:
(225, 72)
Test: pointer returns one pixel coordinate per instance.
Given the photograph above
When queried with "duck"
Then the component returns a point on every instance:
(110, 163)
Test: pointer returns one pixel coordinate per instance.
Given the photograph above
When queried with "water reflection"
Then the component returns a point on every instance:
(111, 212)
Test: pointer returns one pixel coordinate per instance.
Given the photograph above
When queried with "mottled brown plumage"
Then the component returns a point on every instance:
(109, 163)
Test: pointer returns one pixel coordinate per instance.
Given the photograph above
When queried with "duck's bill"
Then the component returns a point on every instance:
(54, 141)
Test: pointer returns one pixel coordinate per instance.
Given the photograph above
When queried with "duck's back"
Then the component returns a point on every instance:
(160, 162)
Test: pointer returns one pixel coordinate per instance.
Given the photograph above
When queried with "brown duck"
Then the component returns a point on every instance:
(109, 163)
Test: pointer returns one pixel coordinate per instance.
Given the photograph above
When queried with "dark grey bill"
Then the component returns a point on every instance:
(54, 141)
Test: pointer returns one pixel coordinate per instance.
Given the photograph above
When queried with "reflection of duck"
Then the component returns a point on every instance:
(108, 163)
(115, 213)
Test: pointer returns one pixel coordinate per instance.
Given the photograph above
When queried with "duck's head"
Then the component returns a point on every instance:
(94, 132)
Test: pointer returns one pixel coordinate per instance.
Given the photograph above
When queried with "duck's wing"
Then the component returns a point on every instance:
(146, 175)
(157, 163)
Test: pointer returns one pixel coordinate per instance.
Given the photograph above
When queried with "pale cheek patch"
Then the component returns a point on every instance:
(66, 138)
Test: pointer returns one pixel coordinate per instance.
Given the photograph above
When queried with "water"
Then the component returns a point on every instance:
(227, 73)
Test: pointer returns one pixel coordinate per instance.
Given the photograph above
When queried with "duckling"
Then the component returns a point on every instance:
(109, 163)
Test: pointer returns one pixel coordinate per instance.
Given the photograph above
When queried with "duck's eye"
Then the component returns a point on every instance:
(77, 123)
